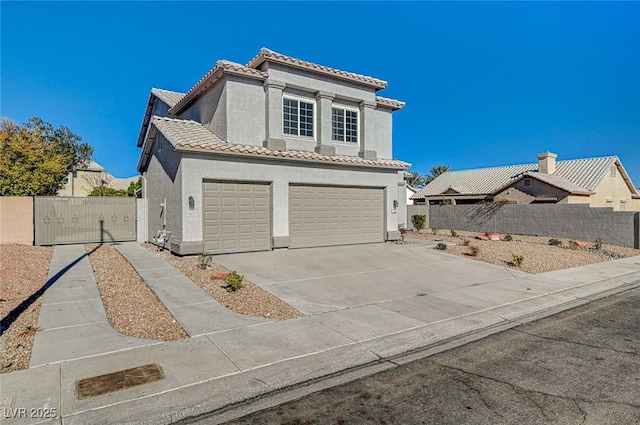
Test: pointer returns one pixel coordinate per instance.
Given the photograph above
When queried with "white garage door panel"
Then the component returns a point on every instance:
(236, 217)
(335, 215)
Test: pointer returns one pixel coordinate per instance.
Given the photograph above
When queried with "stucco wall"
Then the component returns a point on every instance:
(16, 220)
(245, 112)
(210, 110)
(197, 167)
(613, 188)
(562, 221)
(417, 210)
(163, 180)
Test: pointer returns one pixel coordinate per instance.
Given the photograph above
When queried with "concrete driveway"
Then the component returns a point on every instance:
(414, 280)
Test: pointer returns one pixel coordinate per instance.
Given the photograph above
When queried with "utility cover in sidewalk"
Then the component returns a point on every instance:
(117, 381)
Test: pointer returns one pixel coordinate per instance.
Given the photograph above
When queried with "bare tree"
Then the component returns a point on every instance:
(96, 183)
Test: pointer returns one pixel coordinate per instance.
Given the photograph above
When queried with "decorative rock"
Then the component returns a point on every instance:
(219, 275)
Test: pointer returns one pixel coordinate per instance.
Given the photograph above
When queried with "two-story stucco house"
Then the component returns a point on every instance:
(278, 153)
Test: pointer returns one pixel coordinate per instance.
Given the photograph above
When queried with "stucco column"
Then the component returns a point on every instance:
(273, 115)
(324, 100)
(280, 220)
(367, 130)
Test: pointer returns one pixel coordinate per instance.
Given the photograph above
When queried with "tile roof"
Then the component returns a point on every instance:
(92, 166)
(122, 183)
(168, 97)
(269, 55)
(222, 67)
(559, 182)
(188, 135)
(395, 104)
(584, 173)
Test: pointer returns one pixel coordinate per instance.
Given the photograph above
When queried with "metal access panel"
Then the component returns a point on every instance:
(69, 220)
(237, 217)
(328, 215)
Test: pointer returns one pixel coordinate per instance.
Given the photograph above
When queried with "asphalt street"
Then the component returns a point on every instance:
(581, 366)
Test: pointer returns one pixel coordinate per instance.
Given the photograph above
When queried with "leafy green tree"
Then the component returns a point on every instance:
(36, 158)
(435, 172)
(134, 186)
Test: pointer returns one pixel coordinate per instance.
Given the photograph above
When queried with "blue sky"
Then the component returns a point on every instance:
(485, 83)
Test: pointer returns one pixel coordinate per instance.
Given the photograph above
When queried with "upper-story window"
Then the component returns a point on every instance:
(344, 125)
(298, 117)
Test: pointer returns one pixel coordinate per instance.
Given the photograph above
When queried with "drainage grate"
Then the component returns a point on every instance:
(116, 381)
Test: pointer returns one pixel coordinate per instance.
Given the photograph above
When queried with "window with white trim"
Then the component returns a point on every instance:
(297, 117)
(344, 125)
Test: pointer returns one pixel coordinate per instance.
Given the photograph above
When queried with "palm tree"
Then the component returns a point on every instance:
(415, 179)
(435, 172)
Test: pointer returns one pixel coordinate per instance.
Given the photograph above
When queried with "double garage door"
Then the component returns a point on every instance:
(237, 216)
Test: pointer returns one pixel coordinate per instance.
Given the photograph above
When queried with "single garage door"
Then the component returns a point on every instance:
(327, 215)
(236, 217)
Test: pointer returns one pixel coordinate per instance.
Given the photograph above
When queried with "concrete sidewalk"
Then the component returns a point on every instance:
(213, 371)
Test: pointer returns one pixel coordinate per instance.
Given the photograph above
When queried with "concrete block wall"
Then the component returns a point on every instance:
(16, 220)
(417, 210)
(579, 222)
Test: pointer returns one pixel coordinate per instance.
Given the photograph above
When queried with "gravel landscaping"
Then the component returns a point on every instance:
(132, 308)
(23, 271)
(538, 255)
(250, 300)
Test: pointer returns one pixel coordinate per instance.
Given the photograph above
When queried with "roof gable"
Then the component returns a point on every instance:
(266, 55)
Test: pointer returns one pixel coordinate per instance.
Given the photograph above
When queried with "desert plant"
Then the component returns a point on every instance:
(474, 251)
(507, 238)
(418, 221)
(454, 233)
(466, 242)
(573, 244)
(234, 281)
(28, 330)
(204, 261)
(556, 242)
(517, 259)
(441, 246)
(597, 244)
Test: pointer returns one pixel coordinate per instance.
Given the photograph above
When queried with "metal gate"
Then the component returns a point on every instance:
(66, 220)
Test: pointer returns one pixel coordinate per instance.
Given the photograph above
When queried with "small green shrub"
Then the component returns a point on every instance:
(507, 238)
(454, 233)
(474, 251)
(418, 221)
(597, 244)
(517, 259)
(466, 242)
(234, 281)
(204, 261)
(441, 246)
(556, 242)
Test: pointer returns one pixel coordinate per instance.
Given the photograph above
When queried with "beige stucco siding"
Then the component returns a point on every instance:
(612, 188)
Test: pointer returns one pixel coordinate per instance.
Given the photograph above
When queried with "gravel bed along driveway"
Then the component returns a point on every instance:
(539, 256)
(132, 308)
(250, 300)
(23, 271)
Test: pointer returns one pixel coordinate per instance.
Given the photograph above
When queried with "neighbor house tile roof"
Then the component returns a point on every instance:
(269, 55)
(122, 183)
(168, 97)
(559, 182)
(191, 135)
(583, 173)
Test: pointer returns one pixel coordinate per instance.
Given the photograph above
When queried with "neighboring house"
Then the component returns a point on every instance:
(280, 153)
(598, 182)
(410, 192)
(82, 181)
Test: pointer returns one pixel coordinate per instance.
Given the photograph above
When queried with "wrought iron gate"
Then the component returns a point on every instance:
(67, 220)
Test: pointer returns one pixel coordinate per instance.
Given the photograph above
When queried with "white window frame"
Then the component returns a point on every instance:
(305, 100)
(358, 127)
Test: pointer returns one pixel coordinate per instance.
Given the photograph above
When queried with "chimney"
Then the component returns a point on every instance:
(547, 162)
